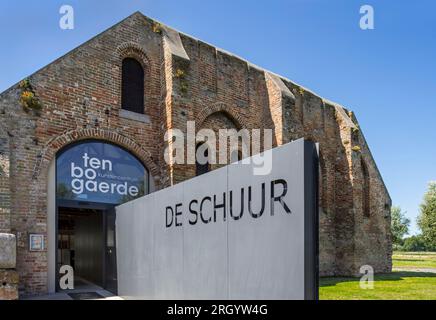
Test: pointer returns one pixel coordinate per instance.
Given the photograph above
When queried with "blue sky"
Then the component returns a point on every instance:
(387, 76)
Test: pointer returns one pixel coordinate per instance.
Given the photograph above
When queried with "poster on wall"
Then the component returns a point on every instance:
(95, 171)
(36, 242)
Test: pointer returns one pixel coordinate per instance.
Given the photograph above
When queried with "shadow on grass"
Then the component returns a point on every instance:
(409, 260)
(393, 276)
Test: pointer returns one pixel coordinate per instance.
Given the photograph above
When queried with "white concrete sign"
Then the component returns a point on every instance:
(227, 234)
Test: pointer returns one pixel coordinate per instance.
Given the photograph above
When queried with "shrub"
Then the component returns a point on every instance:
(28, 100)
(414, 243)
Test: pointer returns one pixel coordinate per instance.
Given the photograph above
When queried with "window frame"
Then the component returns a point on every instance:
(140, 107)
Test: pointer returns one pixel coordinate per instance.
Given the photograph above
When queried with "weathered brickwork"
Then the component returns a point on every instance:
(8, 285)
(4, 181)
(8, 276)
(185, 79)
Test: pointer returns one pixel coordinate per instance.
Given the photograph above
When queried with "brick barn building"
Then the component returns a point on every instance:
(121, 91)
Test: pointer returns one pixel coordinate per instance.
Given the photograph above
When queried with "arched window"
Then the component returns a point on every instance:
(365, 190)
(235, 156)
(201, 167)
(132, 90)
(99, 172)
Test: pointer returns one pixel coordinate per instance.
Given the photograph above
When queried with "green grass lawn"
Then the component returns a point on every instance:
(402, 260)
(398, 285)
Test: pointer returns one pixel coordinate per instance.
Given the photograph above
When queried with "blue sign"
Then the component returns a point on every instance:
(99, 172)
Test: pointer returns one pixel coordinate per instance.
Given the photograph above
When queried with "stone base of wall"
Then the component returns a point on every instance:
(8, 284)
(8, 276)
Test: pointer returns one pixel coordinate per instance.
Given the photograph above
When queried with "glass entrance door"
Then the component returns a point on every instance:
(86, 238)
(94, 175)
(110, 272)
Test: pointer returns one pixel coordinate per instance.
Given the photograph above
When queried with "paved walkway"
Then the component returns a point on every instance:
(430, 270)
(80, 286)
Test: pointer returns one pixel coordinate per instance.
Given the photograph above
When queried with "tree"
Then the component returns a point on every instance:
(427, 216)
(414, 243)
(399, 225)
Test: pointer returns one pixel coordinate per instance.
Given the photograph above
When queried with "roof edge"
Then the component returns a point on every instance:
(179, 53)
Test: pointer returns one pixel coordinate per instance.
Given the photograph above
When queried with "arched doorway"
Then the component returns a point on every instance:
(91, 178)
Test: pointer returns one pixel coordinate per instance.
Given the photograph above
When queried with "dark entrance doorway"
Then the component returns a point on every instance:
(110, 265)
(86, 242)
(92, 177)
